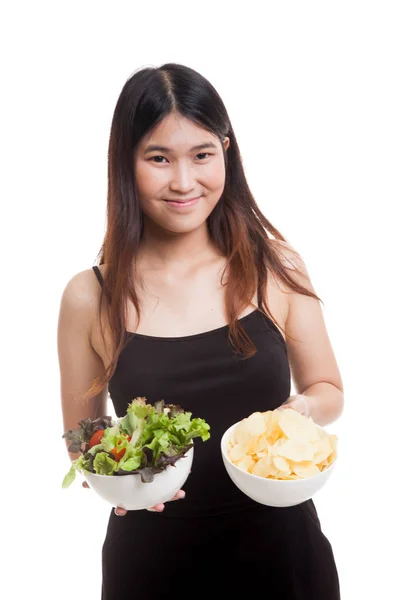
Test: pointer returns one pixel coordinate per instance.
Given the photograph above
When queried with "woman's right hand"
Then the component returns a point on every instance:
(121, 512)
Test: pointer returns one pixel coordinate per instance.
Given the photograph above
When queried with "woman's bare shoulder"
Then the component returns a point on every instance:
(83, 290)
(293, 262)
(278, 290)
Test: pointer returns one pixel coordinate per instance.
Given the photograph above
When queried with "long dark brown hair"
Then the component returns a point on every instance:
(236, 225)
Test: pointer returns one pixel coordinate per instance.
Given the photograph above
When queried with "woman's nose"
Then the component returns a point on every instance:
(183, 179)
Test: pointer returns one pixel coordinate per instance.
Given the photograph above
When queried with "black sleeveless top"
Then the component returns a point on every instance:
(217, 541)
(203, 374)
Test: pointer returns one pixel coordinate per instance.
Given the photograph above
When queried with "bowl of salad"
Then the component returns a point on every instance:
(138, 460)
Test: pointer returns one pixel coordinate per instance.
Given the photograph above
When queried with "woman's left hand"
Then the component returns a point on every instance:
(297, 402)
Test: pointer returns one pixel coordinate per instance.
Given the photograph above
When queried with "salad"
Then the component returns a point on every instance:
(143, 442)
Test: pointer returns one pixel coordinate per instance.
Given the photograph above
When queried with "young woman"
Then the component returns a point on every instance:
(195, 303)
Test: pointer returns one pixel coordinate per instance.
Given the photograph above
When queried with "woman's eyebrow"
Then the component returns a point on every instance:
(153, 148)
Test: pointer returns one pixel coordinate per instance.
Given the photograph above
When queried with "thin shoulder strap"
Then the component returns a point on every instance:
(98, 275)
(259, 298)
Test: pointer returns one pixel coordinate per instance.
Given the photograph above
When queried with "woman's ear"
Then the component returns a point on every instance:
(226, 143)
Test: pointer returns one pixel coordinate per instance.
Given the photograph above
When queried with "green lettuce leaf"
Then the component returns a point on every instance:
(104, 465)
(79, 464)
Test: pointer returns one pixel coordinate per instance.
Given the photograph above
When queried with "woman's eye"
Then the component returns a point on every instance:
(153, 158)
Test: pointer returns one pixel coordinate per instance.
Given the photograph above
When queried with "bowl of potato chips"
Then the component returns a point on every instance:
(280, 457)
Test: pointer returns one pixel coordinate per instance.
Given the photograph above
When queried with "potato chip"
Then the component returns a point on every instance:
(297, 427)
(306, 469)
(281, 444)
(322, 449)
(295, 451)
(246, 463)
(265, 467)
(261, 445)
(273, 431)
(281, 464)
(254, 425)
(237, 452)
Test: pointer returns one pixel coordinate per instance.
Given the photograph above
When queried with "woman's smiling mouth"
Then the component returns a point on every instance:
(182, 203)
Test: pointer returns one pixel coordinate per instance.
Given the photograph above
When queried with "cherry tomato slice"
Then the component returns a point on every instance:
(96, 438)
(118, 454)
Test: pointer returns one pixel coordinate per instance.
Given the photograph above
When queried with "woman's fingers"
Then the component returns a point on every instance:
(180, 494)
(156, 508)
(120, 512)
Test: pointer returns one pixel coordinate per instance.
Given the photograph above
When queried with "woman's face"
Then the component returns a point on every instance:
(179, 171)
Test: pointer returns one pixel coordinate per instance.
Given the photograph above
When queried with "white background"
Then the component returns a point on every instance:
(312, 90)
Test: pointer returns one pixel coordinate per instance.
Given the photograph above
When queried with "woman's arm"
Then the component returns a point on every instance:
(78, 362)
(312, 361)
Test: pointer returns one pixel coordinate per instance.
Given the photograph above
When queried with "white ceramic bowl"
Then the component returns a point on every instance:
(273, 492)
(128, 491)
